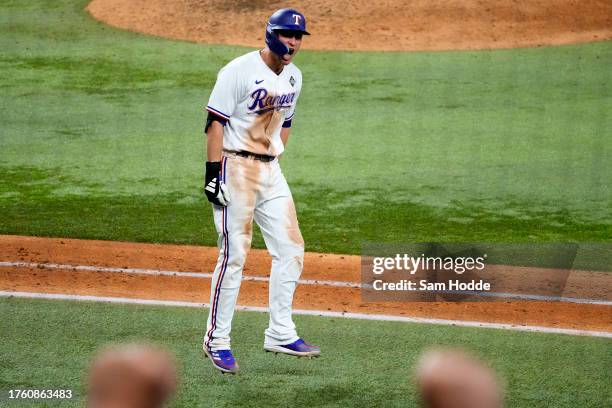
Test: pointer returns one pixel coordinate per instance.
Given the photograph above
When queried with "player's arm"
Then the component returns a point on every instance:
(285, 135)
(286, 128)
(221, 105)
(214, 188)
(214, 141)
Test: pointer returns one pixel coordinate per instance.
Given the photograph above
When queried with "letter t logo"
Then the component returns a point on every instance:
(297, 18)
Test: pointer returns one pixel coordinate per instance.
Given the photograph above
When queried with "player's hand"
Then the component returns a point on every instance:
(216, 191)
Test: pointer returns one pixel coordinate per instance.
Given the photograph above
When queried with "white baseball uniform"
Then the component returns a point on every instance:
(257, 103)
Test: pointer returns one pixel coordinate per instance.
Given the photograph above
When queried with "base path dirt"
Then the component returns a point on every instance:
(62, 279)
(369, 25)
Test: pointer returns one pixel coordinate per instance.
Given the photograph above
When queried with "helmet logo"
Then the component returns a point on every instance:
(297, 18)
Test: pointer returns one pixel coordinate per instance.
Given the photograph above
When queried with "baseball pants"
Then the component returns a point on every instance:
(258, 190)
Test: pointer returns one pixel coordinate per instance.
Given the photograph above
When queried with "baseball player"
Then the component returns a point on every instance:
(249, 120)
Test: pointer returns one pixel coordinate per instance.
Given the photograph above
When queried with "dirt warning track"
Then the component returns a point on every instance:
(330, 283)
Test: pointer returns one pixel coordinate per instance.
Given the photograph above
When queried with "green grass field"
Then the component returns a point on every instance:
(101, 137)
(365, 363)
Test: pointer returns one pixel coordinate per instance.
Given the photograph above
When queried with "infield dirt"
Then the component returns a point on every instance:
(375, 26)
(308, 297)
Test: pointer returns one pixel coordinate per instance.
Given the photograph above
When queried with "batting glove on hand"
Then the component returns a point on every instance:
(216, 191)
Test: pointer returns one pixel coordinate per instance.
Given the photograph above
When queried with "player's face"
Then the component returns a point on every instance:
(293, 40)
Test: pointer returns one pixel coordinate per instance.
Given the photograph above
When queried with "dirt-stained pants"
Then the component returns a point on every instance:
(257, 190)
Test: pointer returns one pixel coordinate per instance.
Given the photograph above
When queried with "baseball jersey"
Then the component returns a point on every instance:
(256, 102)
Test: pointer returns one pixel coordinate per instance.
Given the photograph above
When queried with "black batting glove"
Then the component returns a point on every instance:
(216, 191)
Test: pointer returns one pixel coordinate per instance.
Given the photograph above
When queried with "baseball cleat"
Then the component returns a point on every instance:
(298, 348)
(223, 360)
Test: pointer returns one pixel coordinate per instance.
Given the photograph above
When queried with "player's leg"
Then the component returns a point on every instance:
(234, 226)
(278, 223)
(276, 216)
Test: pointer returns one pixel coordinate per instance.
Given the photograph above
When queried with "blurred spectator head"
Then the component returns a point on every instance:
(454, 379)
(131, 376)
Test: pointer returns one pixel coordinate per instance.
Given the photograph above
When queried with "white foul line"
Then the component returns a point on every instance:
(157, 272)
(524, 296)
(356, 285)
(362, 316)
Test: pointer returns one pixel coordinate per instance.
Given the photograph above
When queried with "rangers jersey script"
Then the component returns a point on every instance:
(256, 102)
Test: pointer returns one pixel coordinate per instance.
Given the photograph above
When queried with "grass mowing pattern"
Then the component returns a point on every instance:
(30, 207)
(101, 138)
(364, 363)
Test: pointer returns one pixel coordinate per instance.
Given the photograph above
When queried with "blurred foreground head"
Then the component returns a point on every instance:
(131, 376)
(453, 379)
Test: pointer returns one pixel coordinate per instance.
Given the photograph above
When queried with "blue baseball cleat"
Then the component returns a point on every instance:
(298, 348)
(223, 360)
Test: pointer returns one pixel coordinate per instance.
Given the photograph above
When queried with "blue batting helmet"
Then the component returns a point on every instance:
(283, 19)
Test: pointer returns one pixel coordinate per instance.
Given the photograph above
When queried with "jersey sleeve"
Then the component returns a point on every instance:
(226, 93)
(291, 112)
